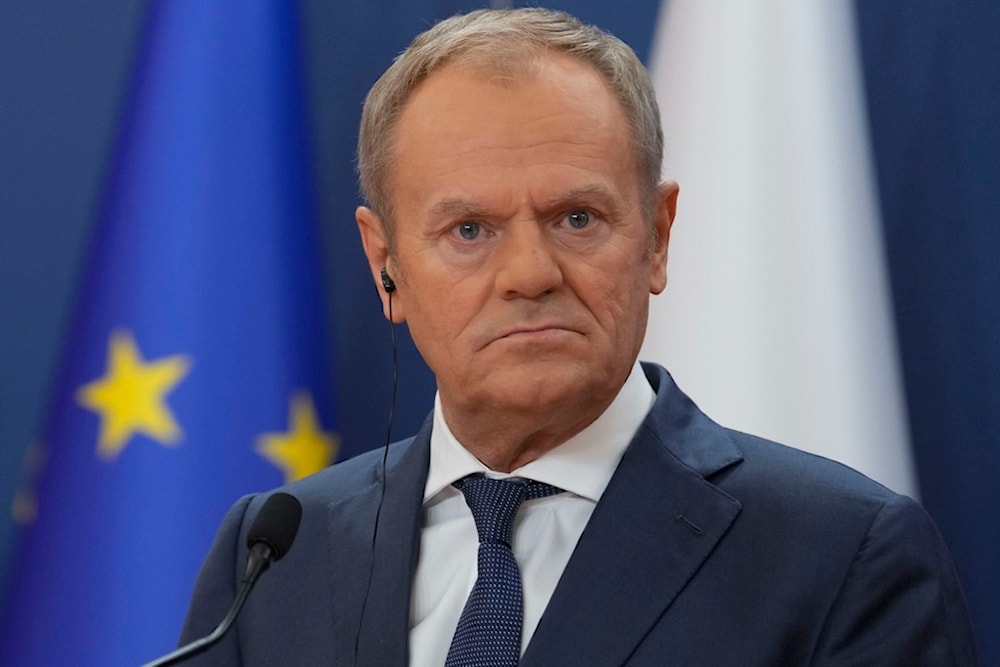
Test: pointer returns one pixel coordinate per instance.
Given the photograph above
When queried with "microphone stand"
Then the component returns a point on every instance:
(260, 558)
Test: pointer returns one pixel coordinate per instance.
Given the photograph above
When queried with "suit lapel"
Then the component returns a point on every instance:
(378, 614)
(656, 523)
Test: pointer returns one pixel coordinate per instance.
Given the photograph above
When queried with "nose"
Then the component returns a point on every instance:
(527, 267)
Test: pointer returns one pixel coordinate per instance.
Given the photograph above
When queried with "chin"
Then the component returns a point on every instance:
(541, 387)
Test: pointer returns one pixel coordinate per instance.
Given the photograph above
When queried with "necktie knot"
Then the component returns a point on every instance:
(494, 503)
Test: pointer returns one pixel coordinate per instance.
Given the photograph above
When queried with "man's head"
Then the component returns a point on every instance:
(507, 45)
(528, 232)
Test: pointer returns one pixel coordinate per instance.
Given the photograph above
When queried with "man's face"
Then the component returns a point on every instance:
(522, 258)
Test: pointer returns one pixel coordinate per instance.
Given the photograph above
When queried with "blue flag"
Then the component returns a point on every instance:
(193, 370)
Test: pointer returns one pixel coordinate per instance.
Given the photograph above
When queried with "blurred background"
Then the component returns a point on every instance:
(834, 268)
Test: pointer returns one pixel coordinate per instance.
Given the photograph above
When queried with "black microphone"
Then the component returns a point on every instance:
(269, 538)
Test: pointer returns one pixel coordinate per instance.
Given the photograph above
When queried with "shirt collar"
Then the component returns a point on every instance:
(583, 465)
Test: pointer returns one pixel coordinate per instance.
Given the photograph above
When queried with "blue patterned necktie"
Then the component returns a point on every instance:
(489, 630)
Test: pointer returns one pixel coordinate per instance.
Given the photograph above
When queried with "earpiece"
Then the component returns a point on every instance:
(387, 283)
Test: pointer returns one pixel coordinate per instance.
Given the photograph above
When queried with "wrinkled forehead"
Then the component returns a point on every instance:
(465, 139)
(458, 89)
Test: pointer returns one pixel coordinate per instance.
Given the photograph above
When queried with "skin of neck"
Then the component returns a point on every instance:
(505, 440)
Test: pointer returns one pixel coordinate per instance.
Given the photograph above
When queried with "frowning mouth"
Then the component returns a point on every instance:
(531, 330)
(539, 334)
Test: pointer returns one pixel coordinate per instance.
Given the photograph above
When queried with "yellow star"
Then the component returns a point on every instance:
(305, 449)
(131, 397)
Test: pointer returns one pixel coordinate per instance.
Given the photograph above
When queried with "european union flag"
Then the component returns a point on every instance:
(194, 370)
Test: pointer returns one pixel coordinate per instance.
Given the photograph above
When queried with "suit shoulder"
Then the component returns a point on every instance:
(346, 478)
(810, 509)
(781, 478)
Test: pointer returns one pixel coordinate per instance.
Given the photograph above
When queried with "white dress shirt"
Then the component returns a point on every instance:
(546, 530)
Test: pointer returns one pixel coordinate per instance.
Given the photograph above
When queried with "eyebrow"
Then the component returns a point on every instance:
(587, 193)
(457, 207)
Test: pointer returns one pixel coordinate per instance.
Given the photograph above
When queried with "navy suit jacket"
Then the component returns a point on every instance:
(709, 547)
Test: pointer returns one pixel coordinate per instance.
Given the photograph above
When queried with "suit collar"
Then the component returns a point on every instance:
(655, 525)
(686, 432)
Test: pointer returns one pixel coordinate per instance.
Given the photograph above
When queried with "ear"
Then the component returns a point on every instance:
(666, 208)
(377, 251)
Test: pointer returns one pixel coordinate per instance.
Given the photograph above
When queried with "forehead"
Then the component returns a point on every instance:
(556, 119)
(467, 85)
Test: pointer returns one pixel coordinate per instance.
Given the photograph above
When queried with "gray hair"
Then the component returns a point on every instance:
(506, 43)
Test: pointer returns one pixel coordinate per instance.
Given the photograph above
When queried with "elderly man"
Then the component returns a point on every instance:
(563, 504)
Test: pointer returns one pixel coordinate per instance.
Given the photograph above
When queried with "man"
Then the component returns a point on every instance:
(517, 224)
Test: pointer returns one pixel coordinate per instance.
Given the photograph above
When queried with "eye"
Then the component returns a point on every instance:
(469, 230)
(578, 219)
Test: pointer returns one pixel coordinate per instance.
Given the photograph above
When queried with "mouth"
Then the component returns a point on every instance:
(536, 334)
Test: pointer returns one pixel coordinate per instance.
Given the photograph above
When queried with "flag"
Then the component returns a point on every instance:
(832, 274)
(194, 368)
(777, 318)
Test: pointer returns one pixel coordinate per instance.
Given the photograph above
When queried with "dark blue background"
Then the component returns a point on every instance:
(933, 79)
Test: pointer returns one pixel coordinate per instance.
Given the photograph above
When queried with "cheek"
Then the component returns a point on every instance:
(619, 307)
(438, 317)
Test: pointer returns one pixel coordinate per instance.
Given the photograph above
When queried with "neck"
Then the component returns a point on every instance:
(504, 441)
